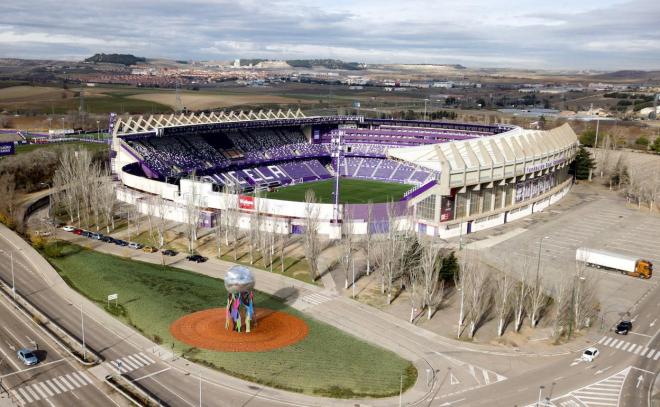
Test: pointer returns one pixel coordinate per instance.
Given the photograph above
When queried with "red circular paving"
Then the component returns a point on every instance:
(206, 330)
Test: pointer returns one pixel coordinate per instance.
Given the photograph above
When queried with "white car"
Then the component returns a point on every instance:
(134, 245)
(68, 228)
(590, 354)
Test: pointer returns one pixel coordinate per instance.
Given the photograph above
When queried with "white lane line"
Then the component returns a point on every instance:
(620, 343)
(135, 361)
(147, 357)
(60, 385)
(37, 388)
(638, 349)
(608, 340)
(152, 374)
(74, 380)
(15, 395)
(139, 357)
(614, 342)
(657, 355)
(66, 383)
(127, 362)
(625, 347)
(53, 386)
(84, 375)
(47, 389)
(25, 395)
(644, 353)
(32, 392)
(650, 354)
(486, 378)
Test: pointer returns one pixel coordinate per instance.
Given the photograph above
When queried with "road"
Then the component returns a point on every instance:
(57, 380)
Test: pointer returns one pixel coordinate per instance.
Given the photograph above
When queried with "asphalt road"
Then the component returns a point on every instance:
(56, 380)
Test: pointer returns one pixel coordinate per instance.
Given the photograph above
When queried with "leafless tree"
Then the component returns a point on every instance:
(585, 302)
(8, 194)
(521, 296)
(477, 284)
(538, 299)
(283, 242)
(312, 243)
(161, 224)
(193, 202)
(433, 287)
(108, 204)
(414, 280)
(461, 282)
(232, 217)
(346, 244)
(504, 286)
(369, 234)
(562, 294)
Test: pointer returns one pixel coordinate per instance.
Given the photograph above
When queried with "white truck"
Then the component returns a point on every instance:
(630, 265)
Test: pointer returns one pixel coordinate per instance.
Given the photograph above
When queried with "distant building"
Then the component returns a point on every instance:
(237, 63)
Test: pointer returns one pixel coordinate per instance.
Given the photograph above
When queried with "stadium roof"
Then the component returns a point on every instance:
(512, 146)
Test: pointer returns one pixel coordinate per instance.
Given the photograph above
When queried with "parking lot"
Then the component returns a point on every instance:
(588, 217)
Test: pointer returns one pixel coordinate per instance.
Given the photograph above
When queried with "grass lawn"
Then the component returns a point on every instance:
(327, 362)
(356, 191)
(92, 147)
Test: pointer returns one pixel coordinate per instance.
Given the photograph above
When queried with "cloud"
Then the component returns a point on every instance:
(513, 33)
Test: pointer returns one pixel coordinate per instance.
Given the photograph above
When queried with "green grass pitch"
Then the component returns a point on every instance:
(356, 191)
(328, 362)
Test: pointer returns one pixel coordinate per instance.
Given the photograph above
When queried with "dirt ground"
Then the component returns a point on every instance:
(208, 101)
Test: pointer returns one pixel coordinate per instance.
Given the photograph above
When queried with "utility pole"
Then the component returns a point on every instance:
(13, 284)
(82, 327)
(538, 403)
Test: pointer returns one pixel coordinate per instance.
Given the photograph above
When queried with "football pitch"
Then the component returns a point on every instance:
(356, 191)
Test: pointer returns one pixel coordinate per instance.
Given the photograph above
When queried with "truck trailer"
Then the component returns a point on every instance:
(630, 265)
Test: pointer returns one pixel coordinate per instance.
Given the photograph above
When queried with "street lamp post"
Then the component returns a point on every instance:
(538, 403)
(13, 284)
(98, 130)
(82, 327)
(538, 264)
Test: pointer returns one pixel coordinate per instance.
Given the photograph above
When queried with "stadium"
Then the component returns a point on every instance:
(445, 178)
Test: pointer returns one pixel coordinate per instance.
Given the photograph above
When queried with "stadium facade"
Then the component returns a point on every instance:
(463, 177)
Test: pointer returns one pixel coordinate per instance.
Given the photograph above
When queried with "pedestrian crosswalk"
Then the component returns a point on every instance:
(132, 362)
(315, 298)
(620, 344)
(45, 389)
(604, 393)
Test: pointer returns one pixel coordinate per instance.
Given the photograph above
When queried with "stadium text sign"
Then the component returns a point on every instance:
(246, 202)
(7, 148)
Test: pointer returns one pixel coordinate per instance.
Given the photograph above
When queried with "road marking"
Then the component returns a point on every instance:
(657, 355)
(619, 344)
(644, 353)
(32, 392)
(46, 389)
(18, 341)
(78, 382)
(155, 373)
(66, 383)
(638, 334)
(452, 379)
(650, 353)
(640, 379)
(135, 361)
(53, 386)
(25, 395)
(132, 362)
(638, 349)
(60, 385)
(602, 370)
(84, 376)
(17, 396)
(625, 346)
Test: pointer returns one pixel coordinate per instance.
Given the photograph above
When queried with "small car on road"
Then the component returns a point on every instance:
(96, 236)
(134, 245)
(68, 228)
(169, 252)
(120, 242)
(149, 249)
(590, 354)
(623, 327)
(78, 231)
(197, 258)
(107, 239)
(27, 357)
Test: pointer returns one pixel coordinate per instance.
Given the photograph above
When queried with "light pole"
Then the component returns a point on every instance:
(538, 264)
(82, 328)
(13, 284)
(98, 130)
(538, 403)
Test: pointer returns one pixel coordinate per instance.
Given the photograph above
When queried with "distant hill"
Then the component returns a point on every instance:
(327, 63)
(123, 59)
(628, 74)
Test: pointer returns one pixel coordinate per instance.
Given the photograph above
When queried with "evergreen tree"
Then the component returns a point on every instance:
(583, 164)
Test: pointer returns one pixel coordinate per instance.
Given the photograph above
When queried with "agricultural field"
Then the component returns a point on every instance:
(328, 362)
(92, 147)
(200, 101)
(355, 191)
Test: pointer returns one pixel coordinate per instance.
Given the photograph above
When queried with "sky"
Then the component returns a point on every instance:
(556, 34)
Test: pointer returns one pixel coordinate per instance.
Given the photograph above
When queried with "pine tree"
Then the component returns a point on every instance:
(583, 163)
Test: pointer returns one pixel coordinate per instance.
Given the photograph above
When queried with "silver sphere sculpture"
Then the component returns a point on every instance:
(239, 279)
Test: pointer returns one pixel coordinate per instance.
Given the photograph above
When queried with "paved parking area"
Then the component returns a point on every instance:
(591, 218)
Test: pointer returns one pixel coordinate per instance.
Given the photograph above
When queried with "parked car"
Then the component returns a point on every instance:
(68, 228)
(169, 252)
(77, 231)
(197, 258)
(134, 245)
(107, 239)
(623, 327)
(120, 242)
(96, 236)
(86, 233)
(149, 249)
(42, 233)
(590, 354)
(27, 357)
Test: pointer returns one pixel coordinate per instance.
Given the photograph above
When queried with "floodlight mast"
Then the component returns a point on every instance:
(337, 154)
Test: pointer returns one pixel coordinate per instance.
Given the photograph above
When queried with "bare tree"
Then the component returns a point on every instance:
(538, 300)
(283, 242)
(520, 297)
(477, 285)
(369, 234)
(433, 287)
(193, 202)
(562, 294)
(414, 280)
(8, 194)
(108, 204)
(503, 290)
(585, 302)
(161, 223)
(346, 244)
(311, 239)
